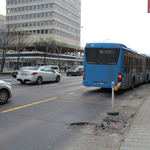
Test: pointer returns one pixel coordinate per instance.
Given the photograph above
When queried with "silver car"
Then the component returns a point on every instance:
(38, 74)
(5, 91)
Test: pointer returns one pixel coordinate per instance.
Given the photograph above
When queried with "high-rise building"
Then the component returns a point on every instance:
(56, 19)
(2, 22)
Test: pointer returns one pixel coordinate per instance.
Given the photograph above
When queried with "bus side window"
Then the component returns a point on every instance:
(124, 63)
(128, 65)
(136, 64)
(141, 64)
(149, 64)
(131, 63)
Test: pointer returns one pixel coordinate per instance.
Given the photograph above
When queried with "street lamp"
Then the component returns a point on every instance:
(77, 44)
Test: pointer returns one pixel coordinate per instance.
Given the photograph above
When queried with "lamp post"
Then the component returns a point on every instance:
(77, 44)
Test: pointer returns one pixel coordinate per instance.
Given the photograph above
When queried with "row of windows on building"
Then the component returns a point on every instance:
(2, 28)
(41, 15)
(48, 31)
(44, 6)
(2, 21)
(44, 23)
(75, 3)
(72, 1)
(11, 2)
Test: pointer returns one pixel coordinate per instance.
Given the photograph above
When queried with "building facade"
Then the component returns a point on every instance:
(2, 22)
(59, 20)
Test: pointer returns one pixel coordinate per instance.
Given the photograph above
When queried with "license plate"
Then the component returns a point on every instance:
(23, 74)
(100, 83)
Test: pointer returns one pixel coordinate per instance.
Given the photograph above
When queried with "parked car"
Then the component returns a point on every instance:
(54, 67)
(76, 70)
(5, 91)
(14, 73)
(38, 74)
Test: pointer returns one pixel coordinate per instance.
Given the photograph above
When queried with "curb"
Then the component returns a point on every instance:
(6, 73)
(129, 126)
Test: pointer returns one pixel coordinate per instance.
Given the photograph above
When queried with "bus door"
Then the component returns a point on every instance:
(128, 71)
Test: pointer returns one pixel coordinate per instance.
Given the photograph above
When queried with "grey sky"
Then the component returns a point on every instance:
(119, 21)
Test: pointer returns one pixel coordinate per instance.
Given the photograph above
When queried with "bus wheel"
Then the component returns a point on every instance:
(133, 84)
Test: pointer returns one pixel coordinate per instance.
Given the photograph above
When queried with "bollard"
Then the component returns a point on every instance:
(113, 112)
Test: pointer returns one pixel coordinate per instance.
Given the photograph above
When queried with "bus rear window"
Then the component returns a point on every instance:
(103, 56)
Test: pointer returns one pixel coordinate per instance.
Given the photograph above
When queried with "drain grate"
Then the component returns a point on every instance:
(79, 124)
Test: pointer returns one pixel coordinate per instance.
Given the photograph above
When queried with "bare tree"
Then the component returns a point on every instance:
(6, 40)
(42, 46)
(20, 43)
(49, 46)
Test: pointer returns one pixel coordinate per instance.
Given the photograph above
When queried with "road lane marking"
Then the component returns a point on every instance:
(87, 89)
(70, 93)
(28, 105)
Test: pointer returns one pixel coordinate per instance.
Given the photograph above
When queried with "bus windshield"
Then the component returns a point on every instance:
(108, 56)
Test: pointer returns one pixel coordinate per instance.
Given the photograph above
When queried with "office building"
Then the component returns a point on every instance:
(2, 22)
(59, 20)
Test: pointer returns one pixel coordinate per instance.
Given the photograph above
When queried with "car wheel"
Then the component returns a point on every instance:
(4, 95)
(77, 74)
(39, 80)
(22, 82)
(57, 79)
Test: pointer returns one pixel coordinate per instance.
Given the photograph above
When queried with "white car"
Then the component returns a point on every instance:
(38, 74)
(5, 91)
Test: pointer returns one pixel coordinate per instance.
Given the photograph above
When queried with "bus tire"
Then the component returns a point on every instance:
(133, 84)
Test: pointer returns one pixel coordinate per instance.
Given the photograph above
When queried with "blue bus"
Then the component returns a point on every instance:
(107, 62)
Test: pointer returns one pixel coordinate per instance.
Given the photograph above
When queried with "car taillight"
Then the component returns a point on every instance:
(34, 73)
(119, 77)
(83, 75)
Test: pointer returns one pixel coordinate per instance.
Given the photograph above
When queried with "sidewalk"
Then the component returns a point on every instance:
(138, 135)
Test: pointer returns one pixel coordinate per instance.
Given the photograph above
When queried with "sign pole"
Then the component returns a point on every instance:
(113, 112)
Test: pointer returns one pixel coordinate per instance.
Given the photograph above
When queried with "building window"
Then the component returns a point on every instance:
(42, 31)
(38, 31)
(34, 31)
(46, 31)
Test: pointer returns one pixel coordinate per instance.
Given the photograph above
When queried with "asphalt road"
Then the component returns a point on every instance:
(38, 117)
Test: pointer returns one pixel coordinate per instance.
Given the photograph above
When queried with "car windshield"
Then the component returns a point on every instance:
(73, 67)
(55, 68)
(23, 68)
(33, 68)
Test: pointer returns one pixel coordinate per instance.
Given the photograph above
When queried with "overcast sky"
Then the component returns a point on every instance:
(119, 21)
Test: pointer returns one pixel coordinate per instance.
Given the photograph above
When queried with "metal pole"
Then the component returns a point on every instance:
(76, 46)
(112, 98)
(113, 112)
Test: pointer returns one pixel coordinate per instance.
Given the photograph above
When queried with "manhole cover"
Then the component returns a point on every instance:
(79, 124)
